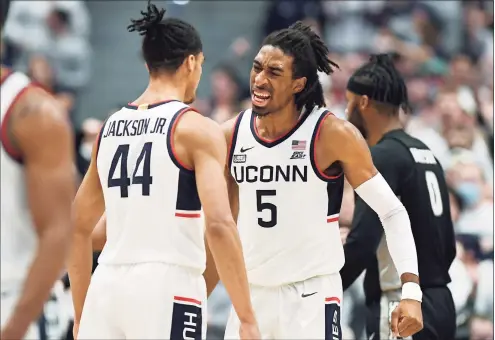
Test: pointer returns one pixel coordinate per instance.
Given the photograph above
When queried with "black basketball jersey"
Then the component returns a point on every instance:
(417, 178)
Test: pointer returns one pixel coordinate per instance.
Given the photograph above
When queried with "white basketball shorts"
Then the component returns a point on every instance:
(144, 301)
(308, 309)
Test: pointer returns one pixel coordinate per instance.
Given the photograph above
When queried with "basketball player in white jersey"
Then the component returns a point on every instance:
(287, 161)
(37, 187)
(155, 169)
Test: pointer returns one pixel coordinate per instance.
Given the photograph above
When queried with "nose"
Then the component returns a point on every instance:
(260, 80)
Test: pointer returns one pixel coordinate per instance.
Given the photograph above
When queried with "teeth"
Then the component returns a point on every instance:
(262, 96)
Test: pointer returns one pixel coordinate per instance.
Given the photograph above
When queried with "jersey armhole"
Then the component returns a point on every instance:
(14, 154)
(233, 138)
(312, 150)
(170, 140)
(98, 138)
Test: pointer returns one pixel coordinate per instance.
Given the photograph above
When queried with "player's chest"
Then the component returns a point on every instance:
(288, 162)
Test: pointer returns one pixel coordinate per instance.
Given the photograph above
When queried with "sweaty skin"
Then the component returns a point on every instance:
(39, 132)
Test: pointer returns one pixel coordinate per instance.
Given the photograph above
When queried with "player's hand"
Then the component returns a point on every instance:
(407, 318)
(75, 329)
(249, 331)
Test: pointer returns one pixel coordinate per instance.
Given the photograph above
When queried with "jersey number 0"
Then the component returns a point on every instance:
(434, 191)
(123, 181)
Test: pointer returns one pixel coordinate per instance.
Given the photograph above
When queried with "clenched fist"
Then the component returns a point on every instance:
(407, 318)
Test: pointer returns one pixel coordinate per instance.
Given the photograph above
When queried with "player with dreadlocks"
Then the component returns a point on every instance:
(287, 161)
(38, 183)
(376, 92)
(157, 169)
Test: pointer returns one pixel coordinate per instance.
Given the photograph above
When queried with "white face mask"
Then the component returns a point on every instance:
(85, 150)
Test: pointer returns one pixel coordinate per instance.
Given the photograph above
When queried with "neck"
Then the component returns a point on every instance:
(381, 124)
(161, 89)
(278, 123)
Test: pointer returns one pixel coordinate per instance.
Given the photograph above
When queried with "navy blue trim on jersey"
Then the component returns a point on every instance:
(270, 144)
(150, 106)
(335, 192)
(233, 139)
(98, 142)
(318, 173)
(170, 147)
(187, 193)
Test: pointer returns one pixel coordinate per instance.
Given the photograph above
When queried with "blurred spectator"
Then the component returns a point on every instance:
(26, 30)
(283, 13)
(477, 218)
(335, 86)
(451, 125)
(48, 40)
(477, 39)
(349, 25)
(67, 53)
(227, 93)
(475, 318)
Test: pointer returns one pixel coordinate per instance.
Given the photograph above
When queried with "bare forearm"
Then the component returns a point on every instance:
(80, 265)
(46, 268)
(226, 249)
(211, 274)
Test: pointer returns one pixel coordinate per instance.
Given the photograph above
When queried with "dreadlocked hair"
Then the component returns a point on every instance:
(167, 42)
(387, 85)
(310, 55)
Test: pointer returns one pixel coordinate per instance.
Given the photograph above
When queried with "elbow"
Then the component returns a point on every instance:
(220, 227)
(397, 209)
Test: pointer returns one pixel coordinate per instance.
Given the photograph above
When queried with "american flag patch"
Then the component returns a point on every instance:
(298, 145)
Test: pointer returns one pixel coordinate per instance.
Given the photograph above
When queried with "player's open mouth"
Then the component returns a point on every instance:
(260, 98)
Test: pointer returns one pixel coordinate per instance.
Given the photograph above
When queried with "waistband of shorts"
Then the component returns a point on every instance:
(191, 270)
(283, 284)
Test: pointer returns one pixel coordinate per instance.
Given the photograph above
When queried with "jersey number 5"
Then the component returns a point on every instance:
(434, 191)
(261, 206)
(124, 181)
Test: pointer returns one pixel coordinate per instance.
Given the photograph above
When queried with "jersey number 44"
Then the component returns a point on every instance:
(123, 180)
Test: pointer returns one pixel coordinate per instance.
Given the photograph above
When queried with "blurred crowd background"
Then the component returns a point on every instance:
(82, 52)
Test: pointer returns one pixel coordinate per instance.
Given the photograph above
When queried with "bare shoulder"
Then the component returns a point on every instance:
(228, 129)
(199, 132)
(39, 115)
(39, 104)
(339, 129)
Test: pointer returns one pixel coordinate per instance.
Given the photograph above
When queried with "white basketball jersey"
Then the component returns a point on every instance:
(18, 237)
(151, 201)
(288, 210)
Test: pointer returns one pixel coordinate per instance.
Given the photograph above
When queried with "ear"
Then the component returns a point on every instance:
(190, 62)
(364, 102)
(298, 84)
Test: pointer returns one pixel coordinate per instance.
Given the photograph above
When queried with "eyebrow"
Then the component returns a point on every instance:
(272, 68)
